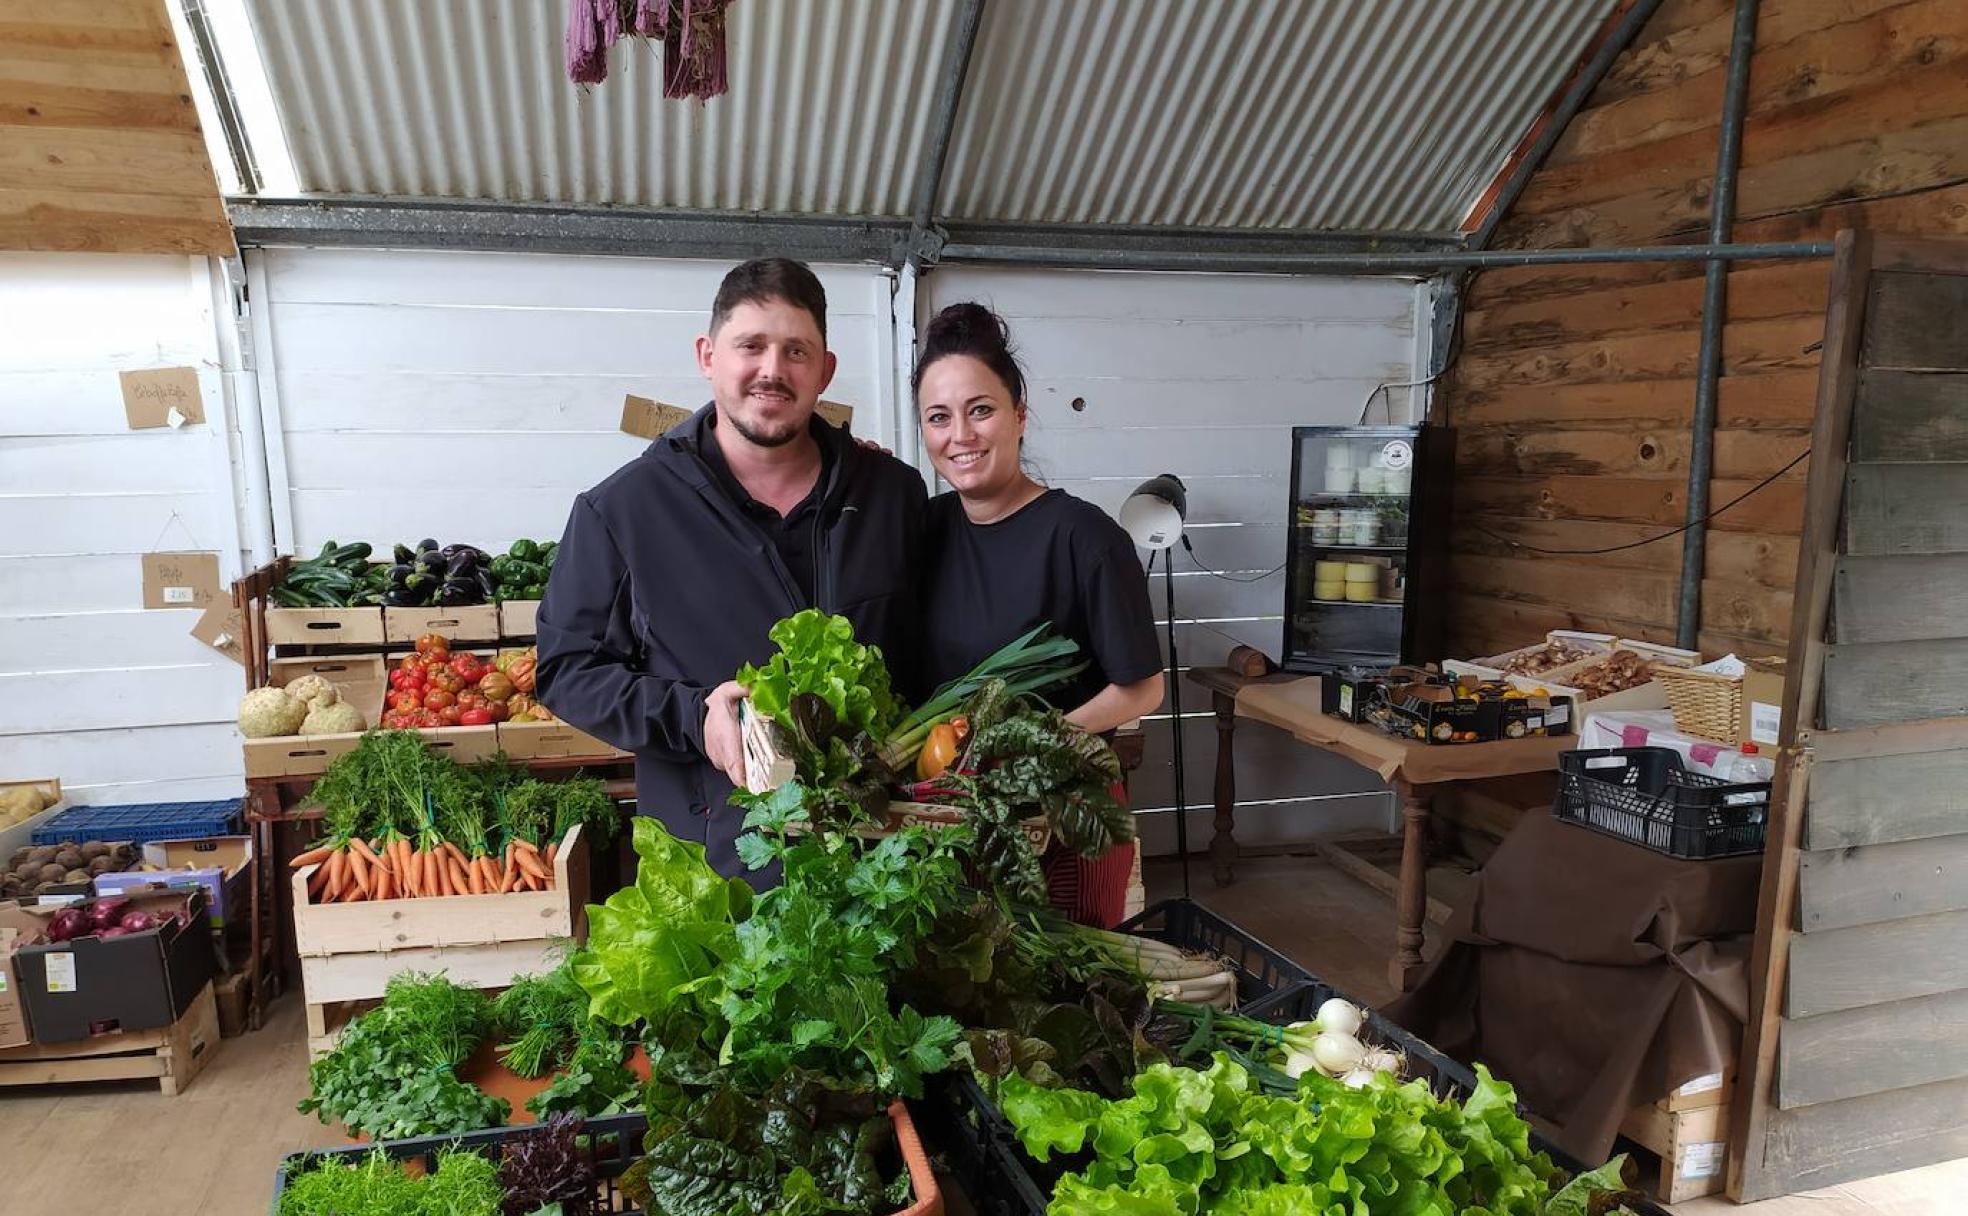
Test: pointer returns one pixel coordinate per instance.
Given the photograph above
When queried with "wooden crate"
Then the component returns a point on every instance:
(471, 623)
(22, 833)
(348, 952)
(541, 740)
(360, 680)
(1689, 1132)
(517, 619)
(324, 626)
(173, 1054)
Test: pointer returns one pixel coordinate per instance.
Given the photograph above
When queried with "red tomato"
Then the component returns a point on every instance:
(447, 680)
(397, 678)
(438, 698)
(433, 644)
(497, 711)
(475, 717)
(410, 662)
(425, 719)
(449, 716)
(405, 699)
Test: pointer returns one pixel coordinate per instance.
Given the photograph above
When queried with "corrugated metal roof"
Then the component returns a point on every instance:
(1357, 115)
(470, 99)
(1327, 114)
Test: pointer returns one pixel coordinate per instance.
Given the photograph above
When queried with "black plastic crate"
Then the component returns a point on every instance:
(1261, 969)
(1300, 1002)
(613, 1144)
(1643, 795)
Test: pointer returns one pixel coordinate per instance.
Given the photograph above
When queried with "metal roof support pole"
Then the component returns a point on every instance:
(1715, 317)
(223, 99)
(922, 249)
(1575, 98)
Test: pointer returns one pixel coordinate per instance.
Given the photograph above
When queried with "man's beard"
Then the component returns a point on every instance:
(765, 439)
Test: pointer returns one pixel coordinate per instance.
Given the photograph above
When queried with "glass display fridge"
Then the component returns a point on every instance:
(1366, 575)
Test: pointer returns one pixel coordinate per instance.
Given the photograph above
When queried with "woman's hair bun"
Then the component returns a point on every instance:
(970, 328)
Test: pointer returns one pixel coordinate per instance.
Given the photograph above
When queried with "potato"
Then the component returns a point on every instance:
(70, 858)
(19, 857)
(101, 865)
(76, 876)
(51, 873)
(41, 854)
(124, 855)
(92, 849)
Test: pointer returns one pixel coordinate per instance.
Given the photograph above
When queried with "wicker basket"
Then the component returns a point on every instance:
(1705, 704)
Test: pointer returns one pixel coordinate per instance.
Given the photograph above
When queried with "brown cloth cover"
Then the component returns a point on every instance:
(1293, 706)
(1594, 975)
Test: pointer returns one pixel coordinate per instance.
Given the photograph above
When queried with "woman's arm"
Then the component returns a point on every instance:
(1118, 703)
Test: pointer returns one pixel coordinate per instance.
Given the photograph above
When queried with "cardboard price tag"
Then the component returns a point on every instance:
(836, 414)
(221, 628)
(151, 396)
(648, 419)
(180, 580)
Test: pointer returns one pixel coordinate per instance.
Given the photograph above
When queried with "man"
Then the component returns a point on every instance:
(673, 569)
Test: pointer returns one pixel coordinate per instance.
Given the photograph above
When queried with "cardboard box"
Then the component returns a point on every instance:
(95, 985)
(359, 679)
(1762, 702)
(17, 928)
(324, 626)
(216, 863)
(518, 619)
(472, 623)
(22, 833)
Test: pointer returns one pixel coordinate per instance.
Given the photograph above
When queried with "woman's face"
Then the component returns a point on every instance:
(971, 425)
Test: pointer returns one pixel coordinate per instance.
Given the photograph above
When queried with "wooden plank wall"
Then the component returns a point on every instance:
(100, 147)
(1874, 1010)
(1575, 385)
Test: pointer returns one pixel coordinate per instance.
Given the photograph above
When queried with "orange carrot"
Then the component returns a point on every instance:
(530, 863)
(475, 878)
(487, 875)
(358, 872)
(508, 878)
(318, 882)
(460, 881)
(337, 867)
(311, 856)
(361, 847)
(457, 854)
(553, 846)
(385, 889)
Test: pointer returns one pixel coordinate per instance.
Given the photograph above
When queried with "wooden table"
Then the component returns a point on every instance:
(1413, 770)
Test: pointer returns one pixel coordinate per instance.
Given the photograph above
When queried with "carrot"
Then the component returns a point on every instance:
(429, 875)
(456, 853)
(413, 870)
(475, 877)
(361, 846)
(529, 862)
(406, 871)
(385, 889)
(547, 857)
(358, 872)
(487, 876)
(508, 878)
(311, 856)
(318, 882)
(460, 881)
(337, 867)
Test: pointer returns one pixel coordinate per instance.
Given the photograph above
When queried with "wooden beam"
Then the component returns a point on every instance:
(1874, 1050)
(1775, 508)
(1779, 399)
(1884, 799)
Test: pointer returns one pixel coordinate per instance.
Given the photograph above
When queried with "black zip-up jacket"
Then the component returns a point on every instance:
(662, 589)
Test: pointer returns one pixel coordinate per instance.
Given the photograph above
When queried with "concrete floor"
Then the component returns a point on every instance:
(212, 1150)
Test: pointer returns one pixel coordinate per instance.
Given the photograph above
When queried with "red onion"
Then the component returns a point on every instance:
(137, 921)
(106, 912)
(115, 931)
(68, 924)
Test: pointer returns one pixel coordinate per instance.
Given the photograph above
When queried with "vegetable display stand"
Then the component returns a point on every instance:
(1261, 970)
(172, 1055)
(470, 623)
(610, 1144)
(553, 740)
(349, 951)
(517, 620)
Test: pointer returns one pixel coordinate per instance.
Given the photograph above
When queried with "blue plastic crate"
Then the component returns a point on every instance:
(142, 821)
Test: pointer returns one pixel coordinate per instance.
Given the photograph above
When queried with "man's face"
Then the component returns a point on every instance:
(767, 365)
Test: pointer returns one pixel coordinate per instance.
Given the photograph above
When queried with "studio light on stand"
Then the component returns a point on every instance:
(1153, 516)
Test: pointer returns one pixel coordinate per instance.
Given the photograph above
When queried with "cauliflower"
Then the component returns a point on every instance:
(311, 688)
(267, 712)
(332, 717)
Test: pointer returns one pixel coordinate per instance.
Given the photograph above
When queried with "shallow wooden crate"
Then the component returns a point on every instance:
(552, 740)
(348, 952)
(21, 834)
(1688, 1131)
(172, 1055)
(324, 626)
(468, 623)
(518, 619)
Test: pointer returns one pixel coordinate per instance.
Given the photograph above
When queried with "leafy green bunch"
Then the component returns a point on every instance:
(828, 694)
(1190, 1140)
(393, 1072)
(464, 1184)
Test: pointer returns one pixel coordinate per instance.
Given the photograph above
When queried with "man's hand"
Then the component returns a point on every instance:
(724, 745)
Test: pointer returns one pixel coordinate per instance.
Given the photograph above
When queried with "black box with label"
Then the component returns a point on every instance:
(97, 985)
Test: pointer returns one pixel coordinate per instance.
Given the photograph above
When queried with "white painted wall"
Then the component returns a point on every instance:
(121, 703)
(1204, 376)
(470, 396)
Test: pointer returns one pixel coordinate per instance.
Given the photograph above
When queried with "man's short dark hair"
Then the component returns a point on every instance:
(763, 279)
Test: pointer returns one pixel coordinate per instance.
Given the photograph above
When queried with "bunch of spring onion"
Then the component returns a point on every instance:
(1329, 1044)
(1172, 974)
(1029, 664)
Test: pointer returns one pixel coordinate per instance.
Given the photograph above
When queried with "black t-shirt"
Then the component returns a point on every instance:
(1056, 559)
(792, 534)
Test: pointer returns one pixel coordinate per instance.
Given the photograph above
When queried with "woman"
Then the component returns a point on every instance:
(1005, 553)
